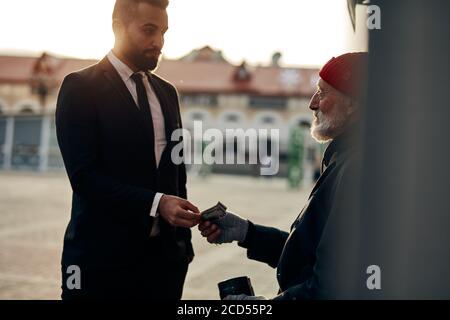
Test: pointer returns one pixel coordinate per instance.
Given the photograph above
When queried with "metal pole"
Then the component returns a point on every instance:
(405, 212)
(44, 148)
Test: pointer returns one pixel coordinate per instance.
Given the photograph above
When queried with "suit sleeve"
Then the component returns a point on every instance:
(264, 244)
(78, 139)
(182, 179)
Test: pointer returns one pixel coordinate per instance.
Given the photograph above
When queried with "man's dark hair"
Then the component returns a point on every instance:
(125, 9)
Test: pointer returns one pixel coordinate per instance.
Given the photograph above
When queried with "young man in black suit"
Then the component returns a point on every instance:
(129, 233)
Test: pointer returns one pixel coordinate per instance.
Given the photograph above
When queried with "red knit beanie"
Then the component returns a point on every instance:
(346, 73)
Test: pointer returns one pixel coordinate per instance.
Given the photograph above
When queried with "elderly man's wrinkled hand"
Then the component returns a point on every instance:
(231, 227)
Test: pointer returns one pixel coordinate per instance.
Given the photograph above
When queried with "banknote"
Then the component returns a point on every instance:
(215, 212)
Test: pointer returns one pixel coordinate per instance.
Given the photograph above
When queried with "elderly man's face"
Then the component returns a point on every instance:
(332, 111)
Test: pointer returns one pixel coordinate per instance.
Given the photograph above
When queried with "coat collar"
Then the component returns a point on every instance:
(339, 146)
(116, 81)
(168, 108)
(124, 71)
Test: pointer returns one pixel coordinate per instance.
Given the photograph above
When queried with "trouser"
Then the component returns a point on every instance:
(156, 278)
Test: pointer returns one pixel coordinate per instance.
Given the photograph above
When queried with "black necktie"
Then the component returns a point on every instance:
(144, 107)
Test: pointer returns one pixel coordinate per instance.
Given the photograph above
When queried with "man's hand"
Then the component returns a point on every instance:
(178, 212)
(229, 228)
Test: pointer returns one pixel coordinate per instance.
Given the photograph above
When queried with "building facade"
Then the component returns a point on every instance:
(217, 93)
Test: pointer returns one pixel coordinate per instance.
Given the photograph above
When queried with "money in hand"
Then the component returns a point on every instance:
(215, 212)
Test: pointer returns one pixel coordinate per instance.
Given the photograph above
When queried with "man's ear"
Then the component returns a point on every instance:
(352, 106)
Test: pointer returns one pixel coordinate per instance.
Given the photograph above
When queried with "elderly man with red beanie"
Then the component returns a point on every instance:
(296, 254)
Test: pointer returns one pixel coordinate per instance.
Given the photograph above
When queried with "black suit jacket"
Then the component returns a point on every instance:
(108, 157)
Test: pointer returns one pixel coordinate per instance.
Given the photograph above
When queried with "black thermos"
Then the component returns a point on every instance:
(235, 286)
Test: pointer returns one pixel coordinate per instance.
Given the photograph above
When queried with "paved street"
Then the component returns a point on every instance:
(34, 211)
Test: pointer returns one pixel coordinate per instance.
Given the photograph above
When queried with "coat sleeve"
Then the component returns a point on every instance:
(264, 244)
(335, 272)
(78, 139)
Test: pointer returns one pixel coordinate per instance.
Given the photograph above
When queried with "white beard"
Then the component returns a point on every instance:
(327, 127)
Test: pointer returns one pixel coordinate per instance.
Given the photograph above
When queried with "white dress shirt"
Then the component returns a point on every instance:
(125, 73)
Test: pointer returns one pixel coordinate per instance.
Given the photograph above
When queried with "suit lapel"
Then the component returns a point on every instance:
(322, 178)
(117, 83)
(169, 112)
(166, 107)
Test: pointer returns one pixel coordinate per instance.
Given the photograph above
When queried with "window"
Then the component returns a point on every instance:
(26, 142)
(2, 138)
(304, 124)
(2, 132)
(2, 108)
(207, 100)
(268, 102)
(268, 120)
(26, 110)
(197, 116)
(232, 118)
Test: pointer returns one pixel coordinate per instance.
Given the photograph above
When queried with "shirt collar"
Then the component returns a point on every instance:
(124, 71)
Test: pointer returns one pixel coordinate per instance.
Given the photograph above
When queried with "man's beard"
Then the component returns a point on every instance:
(144, 62)
(327, 127)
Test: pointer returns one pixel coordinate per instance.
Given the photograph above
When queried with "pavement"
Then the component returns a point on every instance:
(35, 210)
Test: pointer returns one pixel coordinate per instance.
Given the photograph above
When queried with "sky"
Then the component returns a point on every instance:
(306, 32)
